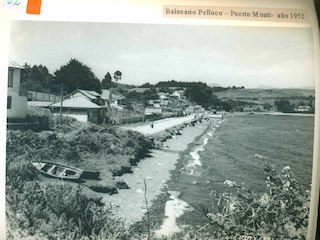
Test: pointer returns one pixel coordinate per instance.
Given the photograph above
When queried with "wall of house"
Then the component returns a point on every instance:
(18, 109)
(80, 114)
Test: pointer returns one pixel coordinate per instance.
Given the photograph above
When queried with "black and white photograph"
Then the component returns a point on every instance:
(158, 131)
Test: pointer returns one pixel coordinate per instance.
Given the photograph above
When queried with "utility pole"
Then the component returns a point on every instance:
(61, 97)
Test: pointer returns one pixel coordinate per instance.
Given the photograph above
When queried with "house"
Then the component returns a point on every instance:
(92, 96)
(177, 94)
(117, 100)
(17, 98)
(106, 96)
(155, 103)
(303, 109)
(79, 108)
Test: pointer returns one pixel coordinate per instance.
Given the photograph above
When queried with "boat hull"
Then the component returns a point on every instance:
(56, 170)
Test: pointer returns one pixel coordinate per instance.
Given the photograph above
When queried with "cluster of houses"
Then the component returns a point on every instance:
(82, 105)
(90, 106)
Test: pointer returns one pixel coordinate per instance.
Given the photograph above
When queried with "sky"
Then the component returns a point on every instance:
(221, 55)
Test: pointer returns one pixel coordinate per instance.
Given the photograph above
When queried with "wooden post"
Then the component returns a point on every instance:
(61, 104)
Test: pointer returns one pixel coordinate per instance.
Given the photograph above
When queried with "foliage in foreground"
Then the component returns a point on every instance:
(56, 212)
(65, 212)
(282, 212)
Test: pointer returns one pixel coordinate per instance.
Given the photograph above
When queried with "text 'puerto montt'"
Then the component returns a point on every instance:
(229, 13)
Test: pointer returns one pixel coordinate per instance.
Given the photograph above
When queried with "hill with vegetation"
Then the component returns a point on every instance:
(258, 94)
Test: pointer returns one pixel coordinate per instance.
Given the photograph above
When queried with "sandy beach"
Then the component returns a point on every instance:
(129, 204)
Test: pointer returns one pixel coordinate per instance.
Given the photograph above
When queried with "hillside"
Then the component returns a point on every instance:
(259, 94)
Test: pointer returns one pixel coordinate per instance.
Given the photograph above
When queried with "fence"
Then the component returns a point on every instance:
(43, 97)
(122, 116)
(33, 123)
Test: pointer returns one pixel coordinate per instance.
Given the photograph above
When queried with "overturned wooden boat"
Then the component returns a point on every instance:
(57, 170)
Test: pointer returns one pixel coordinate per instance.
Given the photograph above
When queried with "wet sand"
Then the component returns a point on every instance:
(129, 204)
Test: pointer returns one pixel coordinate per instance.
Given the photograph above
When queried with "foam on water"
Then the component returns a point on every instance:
(174, 208)
(195, 153)
(196, 157)
(259, 156)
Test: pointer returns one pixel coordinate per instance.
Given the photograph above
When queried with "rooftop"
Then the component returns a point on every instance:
(14, 64)
(77, 102)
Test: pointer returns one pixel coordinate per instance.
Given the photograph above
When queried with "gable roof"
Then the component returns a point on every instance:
(13, 64)
(89, 94)
(76, 102)
(117, 96)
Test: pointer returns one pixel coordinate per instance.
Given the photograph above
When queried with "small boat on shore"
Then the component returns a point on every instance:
(64, 172)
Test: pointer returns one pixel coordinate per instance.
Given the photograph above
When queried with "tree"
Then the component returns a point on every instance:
(199, 94)
(36, 78)
(75, 75)
(149, 95)
(267, 106)
(107, 81)
(284, 106)
(147, 85)
(117, 75)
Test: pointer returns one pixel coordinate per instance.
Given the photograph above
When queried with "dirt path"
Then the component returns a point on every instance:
(160, 125)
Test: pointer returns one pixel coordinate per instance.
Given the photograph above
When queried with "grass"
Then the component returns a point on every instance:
(37, 209)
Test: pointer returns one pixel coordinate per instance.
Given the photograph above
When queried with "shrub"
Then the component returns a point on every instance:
(57, 210)
(282, 212)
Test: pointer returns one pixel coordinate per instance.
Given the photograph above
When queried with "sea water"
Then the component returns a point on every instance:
(234, 149)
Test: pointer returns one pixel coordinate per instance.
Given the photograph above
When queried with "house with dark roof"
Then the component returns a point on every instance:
(117, 100)
(17, 98)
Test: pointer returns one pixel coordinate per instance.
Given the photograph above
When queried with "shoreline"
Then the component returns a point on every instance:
(168, 207)
(156, 170)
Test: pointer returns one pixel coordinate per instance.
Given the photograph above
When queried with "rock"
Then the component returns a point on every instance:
(103, 189)
(122, 185)
(121, 171)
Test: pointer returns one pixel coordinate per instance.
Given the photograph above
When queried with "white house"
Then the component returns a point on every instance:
(16, 99)
(79, 108)
(303, 109)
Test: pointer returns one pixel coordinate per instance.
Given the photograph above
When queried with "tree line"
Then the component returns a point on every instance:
(73, 75)
(181, 84)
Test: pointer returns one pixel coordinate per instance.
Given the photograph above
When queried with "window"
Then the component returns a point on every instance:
(10, 78)
(9, 101)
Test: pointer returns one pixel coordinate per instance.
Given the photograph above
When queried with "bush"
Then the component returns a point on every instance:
(280, 213)
(57, 211)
